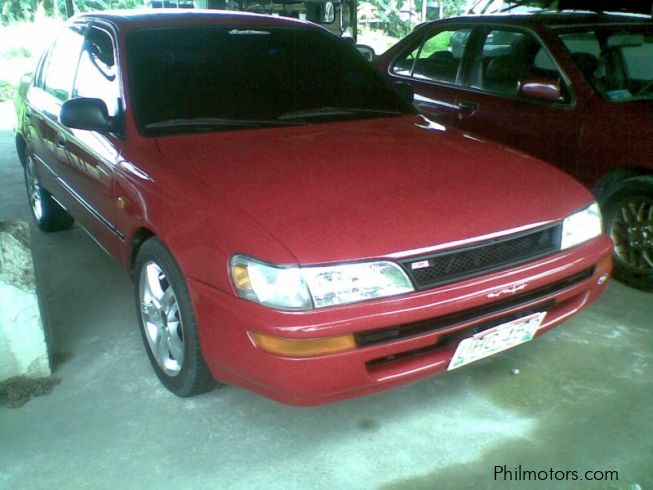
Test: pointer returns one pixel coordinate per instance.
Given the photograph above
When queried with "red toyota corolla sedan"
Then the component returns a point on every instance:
(291, 225)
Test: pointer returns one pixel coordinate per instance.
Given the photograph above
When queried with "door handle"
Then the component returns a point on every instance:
(61, 140)
(468, 107)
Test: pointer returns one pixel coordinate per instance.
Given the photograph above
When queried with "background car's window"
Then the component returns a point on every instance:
(615, 60)
(404, 64)
(96, 74)
(441, 56)
(509, 58)
(638, 60)
(186, 78)
(63, 62)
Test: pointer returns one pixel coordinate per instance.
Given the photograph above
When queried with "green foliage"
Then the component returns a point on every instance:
(12, 11)
(20, 10)
(453, 7)
(7, 91)
(90, 5)
(390, 13)
(15, 52)
(399, 17)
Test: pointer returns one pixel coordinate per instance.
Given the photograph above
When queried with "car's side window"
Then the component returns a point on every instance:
(41, 69)
(511, 58)
(97, 76)
(438, 59)
(404, 65)
(63, 63)
(637, 59)
(616, 63)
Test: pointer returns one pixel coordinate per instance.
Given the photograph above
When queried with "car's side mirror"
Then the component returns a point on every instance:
(406, 91)
(367, 52)
(87, 113)
(540, 89)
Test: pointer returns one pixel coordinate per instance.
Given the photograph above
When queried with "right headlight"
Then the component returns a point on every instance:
(304, 288)
(581, 227)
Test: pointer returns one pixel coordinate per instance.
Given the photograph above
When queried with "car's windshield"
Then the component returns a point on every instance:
(616, 60)
(238, 78)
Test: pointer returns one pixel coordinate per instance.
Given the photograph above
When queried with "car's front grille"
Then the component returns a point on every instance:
(408, 330)
(454, 265)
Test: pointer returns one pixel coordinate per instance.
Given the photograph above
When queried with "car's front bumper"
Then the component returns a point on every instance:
(562, 284)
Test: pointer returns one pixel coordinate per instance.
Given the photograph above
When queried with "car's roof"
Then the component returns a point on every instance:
(555, 19)
(163, 17)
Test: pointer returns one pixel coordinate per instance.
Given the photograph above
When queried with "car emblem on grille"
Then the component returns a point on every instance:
(512, 290)
(422, 264)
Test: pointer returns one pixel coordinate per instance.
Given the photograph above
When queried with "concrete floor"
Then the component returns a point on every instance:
(583, 400)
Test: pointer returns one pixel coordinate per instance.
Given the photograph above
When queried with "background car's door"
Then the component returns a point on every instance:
(504, 59)
(88, 158)
(433, 65)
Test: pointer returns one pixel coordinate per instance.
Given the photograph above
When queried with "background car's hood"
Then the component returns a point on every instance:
(386, 187)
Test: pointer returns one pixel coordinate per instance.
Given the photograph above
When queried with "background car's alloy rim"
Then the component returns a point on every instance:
(161, 319)
(632, 232)
(33, 189)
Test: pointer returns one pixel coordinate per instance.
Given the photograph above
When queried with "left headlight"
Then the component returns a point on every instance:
(581, 227)
(302, 288)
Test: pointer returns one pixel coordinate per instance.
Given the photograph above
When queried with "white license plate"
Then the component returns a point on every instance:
(496, 339)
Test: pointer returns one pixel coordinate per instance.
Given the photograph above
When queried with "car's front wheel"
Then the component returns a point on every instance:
(47, 213)
(628, 210)
(168, 324)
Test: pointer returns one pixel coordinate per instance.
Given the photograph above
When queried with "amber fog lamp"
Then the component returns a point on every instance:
(304, 347)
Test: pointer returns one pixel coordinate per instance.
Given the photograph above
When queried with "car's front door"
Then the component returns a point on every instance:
(433, 66)
(504, 60)
(88, 158)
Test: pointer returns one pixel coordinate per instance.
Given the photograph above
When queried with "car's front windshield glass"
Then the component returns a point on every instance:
(214, 78)
(616, 60)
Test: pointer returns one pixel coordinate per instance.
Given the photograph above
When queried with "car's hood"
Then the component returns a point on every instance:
(378, 188)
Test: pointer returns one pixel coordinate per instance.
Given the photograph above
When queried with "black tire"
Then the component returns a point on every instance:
(628, 217)
(47, 213)
(167, 322)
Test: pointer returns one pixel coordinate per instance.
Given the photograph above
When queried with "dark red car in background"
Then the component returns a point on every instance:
(572, 88)
(291, 225)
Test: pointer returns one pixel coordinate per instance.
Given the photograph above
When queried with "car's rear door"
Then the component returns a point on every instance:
(88, 158)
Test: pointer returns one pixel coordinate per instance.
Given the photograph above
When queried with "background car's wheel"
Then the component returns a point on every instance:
(47, 213)
(628, 215)
(168, 324)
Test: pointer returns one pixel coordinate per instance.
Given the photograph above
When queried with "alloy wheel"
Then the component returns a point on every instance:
(33, 189)
(632, 232)
(161, 319)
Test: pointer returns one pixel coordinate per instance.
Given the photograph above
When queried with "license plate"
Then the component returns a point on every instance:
(496, 339)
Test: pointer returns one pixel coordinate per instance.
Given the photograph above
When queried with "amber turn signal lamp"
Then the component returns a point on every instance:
(304, 347)
(603, 268)
(241, 277)
(604, 265)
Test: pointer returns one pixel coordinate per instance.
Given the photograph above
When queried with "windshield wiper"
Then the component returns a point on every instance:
(208, 123)
(335, 111)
